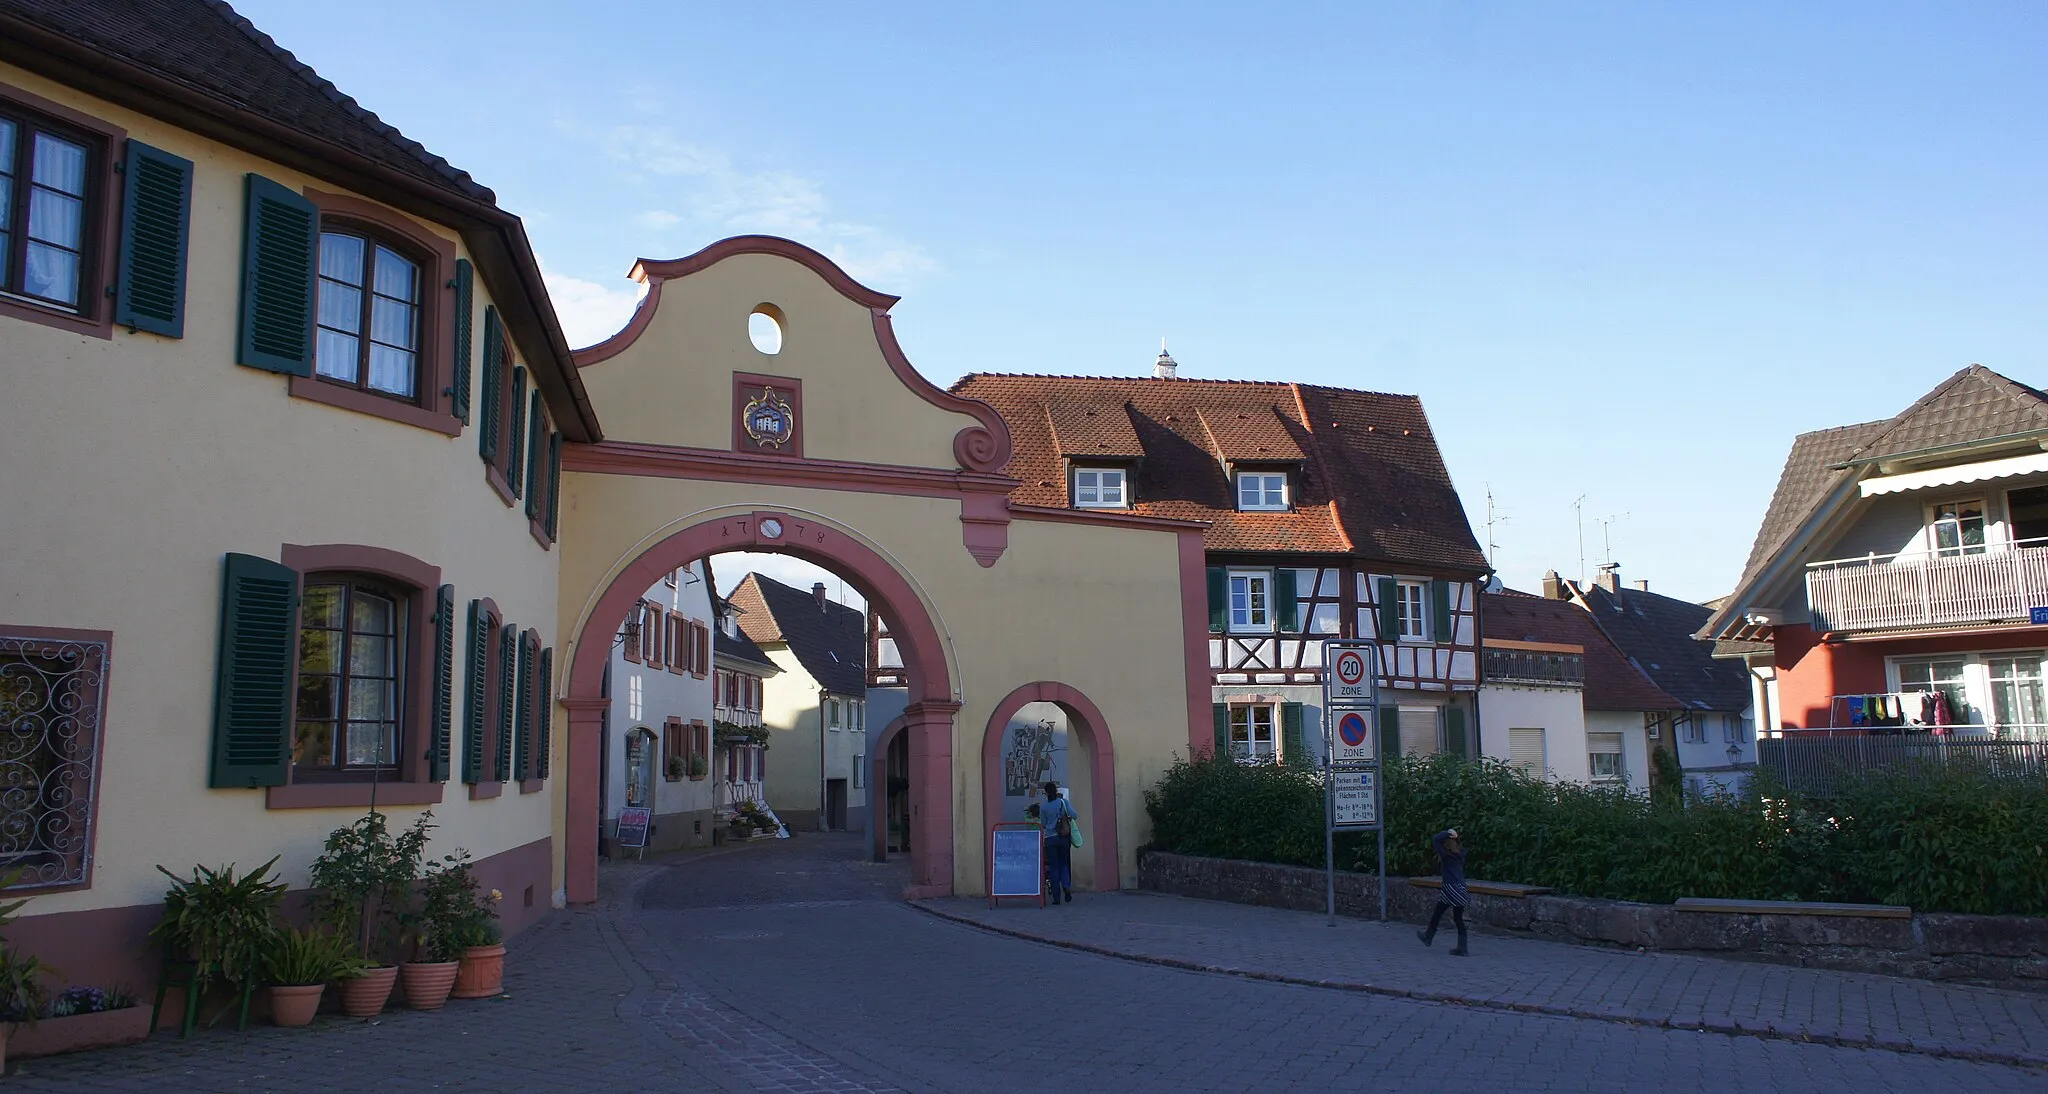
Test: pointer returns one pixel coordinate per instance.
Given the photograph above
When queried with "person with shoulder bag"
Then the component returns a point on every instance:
(1062, 833)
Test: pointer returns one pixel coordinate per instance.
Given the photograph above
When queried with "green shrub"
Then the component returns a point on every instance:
(1958, 840)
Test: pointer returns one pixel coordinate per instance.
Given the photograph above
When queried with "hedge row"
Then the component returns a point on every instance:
(1956, 841)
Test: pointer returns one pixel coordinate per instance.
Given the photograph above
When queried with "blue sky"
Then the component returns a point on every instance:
(1621, 251)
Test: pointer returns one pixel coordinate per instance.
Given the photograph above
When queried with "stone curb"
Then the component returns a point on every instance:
(1729, 1026)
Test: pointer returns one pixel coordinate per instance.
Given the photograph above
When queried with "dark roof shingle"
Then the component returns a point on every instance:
(1611, 682)
(831, 643)
(1656, 633)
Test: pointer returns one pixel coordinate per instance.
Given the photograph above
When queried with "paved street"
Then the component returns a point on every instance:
(791, 967)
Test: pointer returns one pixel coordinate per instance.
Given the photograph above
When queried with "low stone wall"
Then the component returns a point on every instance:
(2001, 951)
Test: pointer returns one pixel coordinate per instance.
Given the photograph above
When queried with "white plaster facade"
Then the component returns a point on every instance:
(659, 747)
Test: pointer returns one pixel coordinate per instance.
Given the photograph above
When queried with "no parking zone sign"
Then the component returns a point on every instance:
(1353, 741)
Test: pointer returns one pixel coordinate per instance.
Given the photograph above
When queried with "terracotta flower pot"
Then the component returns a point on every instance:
(295, 1004)
(482, 973)
(364, 996)
(427, 983)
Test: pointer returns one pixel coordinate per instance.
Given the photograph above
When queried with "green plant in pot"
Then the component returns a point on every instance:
(221, 925)
(444, 924)
(299, 964)
(362, 885)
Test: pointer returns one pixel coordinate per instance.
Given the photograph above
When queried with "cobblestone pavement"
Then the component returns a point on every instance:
(1519, 974)
(791, 967)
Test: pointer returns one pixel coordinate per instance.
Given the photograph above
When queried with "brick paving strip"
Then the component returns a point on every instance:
(1529, 976)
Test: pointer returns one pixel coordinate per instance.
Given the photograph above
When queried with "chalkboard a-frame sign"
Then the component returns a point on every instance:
(1016, 862)
(634, 821)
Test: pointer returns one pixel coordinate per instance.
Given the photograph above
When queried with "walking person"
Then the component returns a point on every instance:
(1056, 820)
(1450, 857)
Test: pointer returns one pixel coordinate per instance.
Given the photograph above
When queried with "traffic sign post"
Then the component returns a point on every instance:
(1351, 761)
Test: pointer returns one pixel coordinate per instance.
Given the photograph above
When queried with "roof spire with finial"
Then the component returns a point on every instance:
(1165, 367)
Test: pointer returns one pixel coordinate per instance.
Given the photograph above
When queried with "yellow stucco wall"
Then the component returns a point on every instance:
(133, 465)
(1097, 608)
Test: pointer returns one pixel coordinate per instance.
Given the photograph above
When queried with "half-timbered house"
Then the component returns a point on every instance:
(1330, 515)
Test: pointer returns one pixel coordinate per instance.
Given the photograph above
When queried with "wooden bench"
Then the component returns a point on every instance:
(1790, 907)
(1484, 888)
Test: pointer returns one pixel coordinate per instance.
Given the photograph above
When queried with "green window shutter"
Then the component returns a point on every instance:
(1389, 719)
(444, 684)
(1440, 608)
(522, 748)
(508, 680)
(488, 415)
(554, 483)
(536, 458)
(1293, 750)
(476, 699)
(547, 713)
(280, 240)
(1285, 598)
(1390, 611)
(517, 462)
(1219, 599)
(156, 227)
(259, 624)
(1454, 732)
(1222, 716)
(464, 284)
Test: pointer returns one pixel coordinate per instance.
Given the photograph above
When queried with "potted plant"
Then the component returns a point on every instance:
(362, 883)
(82, 1017)
(482, 972)
(220, 925)
(464, 919)
(445, 927)
(699, 767)
(299, 964)
(676, 768)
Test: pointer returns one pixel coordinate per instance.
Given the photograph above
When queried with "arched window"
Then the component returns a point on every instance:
(369, 333)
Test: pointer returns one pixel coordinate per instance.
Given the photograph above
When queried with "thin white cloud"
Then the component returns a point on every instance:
(590, 312)
(711, 194)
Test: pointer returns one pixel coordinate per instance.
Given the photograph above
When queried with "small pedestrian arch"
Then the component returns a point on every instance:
(926, 660)
(1098, 812)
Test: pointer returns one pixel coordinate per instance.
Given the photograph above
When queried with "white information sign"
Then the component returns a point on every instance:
(1356, 799)
(1348, 682)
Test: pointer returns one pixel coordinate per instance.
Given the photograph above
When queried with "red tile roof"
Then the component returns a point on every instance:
(1611, 682)
(1081, 429)
(1371, 483)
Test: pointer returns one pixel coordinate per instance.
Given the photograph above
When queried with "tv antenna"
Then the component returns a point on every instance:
(1579, 517)
(1606, 537)
(1493, 518)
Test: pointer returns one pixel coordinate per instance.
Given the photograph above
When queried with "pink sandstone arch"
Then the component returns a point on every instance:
(928, 718)
(1098, 813)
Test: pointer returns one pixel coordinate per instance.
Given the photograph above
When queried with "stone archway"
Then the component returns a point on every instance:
(1100, 817)
(928, 719)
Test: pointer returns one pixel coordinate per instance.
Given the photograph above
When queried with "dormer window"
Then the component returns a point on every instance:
(1100, 488)
(1262, 490)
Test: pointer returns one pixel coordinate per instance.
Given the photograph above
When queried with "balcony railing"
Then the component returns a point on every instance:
(1816, 764)
(1557, 670)
(1877, 592)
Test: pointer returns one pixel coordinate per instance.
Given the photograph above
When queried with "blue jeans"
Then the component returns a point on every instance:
(1059, 867)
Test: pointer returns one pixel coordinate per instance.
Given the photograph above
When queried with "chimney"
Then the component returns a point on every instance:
(1553, 586)
(1165, 367)
(818, 591)
(1642, 584)
(1610, 577)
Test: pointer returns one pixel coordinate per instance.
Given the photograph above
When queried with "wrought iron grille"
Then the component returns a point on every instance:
(52, 691)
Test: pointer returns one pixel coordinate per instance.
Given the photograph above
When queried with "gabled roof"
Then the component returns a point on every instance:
(737, 646)
(831, 642)
(200, 65)
(1611, 682)
(1972, 406)
(1371, 481)
(1655, 633)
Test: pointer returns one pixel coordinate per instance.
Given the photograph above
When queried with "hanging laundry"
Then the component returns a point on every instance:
(1858, 713)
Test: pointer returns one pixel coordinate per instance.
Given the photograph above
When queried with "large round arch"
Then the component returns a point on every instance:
(928, 718)
(1100, 821)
